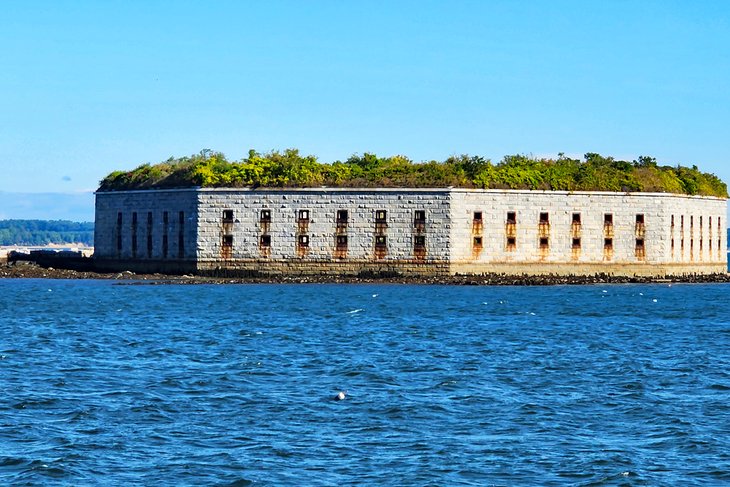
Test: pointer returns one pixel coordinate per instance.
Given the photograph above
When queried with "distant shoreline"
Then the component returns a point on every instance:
(33, 271)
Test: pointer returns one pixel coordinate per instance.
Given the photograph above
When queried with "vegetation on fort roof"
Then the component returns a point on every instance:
(291, 169)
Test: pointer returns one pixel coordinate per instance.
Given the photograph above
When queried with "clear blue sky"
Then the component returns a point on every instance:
(88, 87)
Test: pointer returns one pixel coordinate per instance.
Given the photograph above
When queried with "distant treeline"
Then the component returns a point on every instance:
(291, 169)
(43, 232)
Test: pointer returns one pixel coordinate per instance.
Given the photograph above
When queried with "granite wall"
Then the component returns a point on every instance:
(146, 231)
(409, 231)
(318, 231)
(586, 233)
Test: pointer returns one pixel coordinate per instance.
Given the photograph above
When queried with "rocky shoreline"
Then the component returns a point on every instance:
(28, 270)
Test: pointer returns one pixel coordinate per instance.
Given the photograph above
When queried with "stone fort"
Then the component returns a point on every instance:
(417, 232)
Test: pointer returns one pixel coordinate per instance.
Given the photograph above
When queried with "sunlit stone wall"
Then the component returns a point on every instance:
(324, 230)
(415, 231)
(586, 233)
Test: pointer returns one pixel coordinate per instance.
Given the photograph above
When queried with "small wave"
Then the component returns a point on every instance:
(12, 461)
(238, 483)
(33, 470)
(611, 479)
(33, 403)
(76, 415)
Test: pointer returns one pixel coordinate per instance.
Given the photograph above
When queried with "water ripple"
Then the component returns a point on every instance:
(234, 385)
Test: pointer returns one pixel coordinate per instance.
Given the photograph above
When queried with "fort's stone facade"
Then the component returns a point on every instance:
(409, 231)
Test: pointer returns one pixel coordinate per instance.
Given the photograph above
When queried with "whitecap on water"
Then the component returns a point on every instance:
(354, 311)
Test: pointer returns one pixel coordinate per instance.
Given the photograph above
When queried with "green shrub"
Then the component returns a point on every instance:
(292, 169)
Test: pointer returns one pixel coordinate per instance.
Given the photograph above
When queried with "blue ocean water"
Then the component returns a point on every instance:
(234, 384)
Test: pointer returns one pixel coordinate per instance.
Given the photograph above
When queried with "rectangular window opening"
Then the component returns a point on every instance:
(477, 216)
(640, 219)
(303, 215)
(608, 219)
(607, 243)
(165, 226)
(265, 241)
(342, 216)
(265, 216)
(511, 217)
(511, 243)
(419, 241)
(304, 240)
(544, 217)
(228, 241)
(227, 216)
(576, 218)
(576, 243)
(119, 231)
(341, 241)
(134, 234)
(149, 234)
(181, 235)
(419, 217)
(477, 241)
(544, 242)
(381, 216)
(380, 240)
(640, 251)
